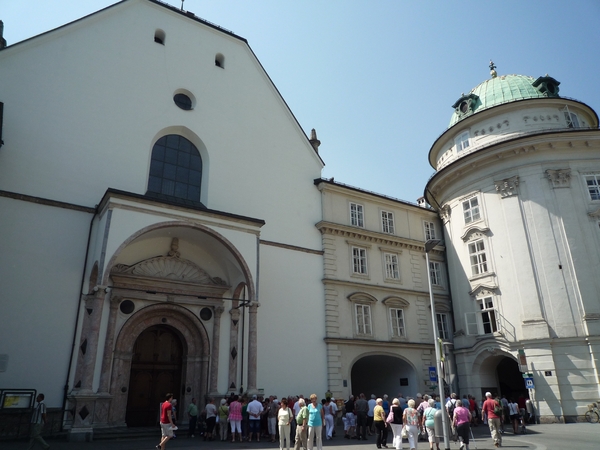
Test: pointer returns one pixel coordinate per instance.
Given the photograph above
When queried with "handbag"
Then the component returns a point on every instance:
(404, 433)
(390, 417)
(217, 418)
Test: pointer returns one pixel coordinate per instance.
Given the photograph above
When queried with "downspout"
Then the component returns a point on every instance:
(87, 251)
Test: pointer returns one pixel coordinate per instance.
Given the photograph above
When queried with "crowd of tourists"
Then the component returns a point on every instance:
(303, 424)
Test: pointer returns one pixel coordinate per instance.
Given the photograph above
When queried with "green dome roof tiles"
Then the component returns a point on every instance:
(505, 89)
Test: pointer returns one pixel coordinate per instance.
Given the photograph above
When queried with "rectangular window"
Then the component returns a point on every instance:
(363, 319)
(489, 317)
(429, 231)
(387, 222)
(485, 321)
(442, 326)
(571, 118)
(462, 141)
(593, 186)
(359, 260)
(391, 266)
(397, 321)
(471, 210)
(435, 272)
(478, 257)
(356, 215)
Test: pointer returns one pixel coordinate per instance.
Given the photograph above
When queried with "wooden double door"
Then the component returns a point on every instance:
(156, 369)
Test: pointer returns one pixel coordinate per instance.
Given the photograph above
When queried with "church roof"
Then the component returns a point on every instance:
(502, 89)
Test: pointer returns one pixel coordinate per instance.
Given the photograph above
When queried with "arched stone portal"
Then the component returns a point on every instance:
(156, 367)
(383, 374)
(195, 350)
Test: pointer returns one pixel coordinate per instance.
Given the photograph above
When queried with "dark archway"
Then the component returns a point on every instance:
(156, 368)
(512, 384)
(383, 374)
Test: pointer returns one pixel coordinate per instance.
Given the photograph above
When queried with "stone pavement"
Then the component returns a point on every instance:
(539, 437)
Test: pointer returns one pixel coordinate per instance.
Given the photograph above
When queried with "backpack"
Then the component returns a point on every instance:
(497, 408)
(452, 407)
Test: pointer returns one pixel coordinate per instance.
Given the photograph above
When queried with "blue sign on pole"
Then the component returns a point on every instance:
(529, 383)
(432, 374)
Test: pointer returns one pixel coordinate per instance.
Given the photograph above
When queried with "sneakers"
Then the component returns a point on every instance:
(462, 445)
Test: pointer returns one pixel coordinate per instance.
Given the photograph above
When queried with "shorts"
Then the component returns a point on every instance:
(254, 425)
(350, 420)
(514, 416)
(166, 429)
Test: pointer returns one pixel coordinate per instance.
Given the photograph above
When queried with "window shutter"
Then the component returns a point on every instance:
(471, 322)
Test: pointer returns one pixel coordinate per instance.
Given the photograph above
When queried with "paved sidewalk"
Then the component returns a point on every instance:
(539, 437)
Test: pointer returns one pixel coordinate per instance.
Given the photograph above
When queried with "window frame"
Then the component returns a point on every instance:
(435, 273)
(473, 213)
(461, 139)
(365, 319)
(429, 228)
(357, 217)
(443, 327)
(388, 269)
(595, 177)
(359, 255)
(480, 255)
(387, 222)
(400, 330)
(486, 320)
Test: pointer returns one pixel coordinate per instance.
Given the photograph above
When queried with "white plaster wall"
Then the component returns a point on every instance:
(291, 323)
(114, 85)
(42, 255)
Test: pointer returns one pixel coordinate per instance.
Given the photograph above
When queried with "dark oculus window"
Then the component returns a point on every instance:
(183, 101)
(175, 170)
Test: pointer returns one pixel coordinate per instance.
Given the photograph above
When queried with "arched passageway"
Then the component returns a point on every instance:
(500, 375)
(383, 374)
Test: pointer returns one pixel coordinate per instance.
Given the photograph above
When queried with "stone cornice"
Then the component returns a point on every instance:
(359, 234)
(393, 290)
(551, 141)
(395, 345)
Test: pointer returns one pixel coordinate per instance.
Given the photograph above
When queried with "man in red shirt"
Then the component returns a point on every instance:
(493, 410)
(166, 422)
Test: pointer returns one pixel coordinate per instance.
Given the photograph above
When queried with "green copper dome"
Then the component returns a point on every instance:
(502, 89)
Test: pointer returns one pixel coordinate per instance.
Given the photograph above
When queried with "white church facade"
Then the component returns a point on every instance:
(158, 219)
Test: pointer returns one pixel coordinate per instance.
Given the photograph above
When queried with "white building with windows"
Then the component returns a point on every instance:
(158, 219)
(379, 333)
(517, 189)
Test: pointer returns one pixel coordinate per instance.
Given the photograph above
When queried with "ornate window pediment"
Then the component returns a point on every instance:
(396, 302)
(475, 232)
(362, 297)
(484, 290)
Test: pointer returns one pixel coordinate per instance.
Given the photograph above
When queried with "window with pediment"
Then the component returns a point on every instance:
(361, 305)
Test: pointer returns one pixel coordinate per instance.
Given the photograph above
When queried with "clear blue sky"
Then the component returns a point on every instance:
(377, 78)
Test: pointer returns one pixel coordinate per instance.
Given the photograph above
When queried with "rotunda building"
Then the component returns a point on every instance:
(517, 185)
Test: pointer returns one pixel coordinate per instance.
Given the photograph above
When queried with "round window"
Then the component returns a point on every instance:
(464, 107)
(126, 306)
(183, 101)
(206, 314)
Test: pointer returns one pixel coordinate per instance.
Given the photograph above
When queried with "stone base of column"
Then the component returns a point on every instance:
(90, 411)
(81, 435)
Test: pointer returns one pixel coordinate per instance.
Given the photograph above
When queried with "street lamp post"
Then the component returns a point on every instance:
(429, 245)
